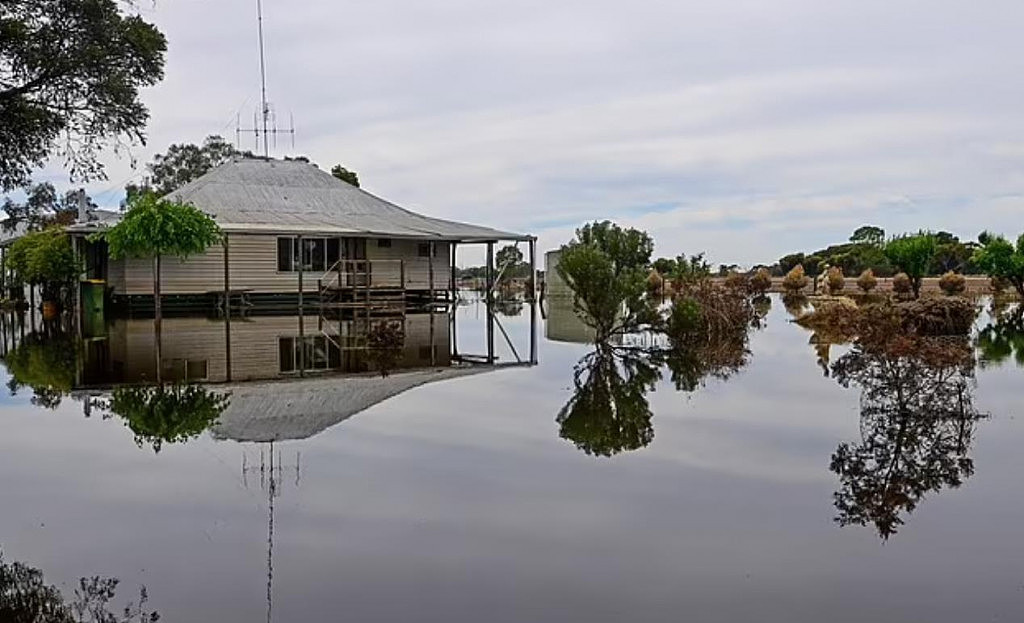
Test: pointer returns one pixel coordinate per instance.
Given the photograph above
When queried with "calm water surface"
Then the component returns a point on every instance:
(459, 500)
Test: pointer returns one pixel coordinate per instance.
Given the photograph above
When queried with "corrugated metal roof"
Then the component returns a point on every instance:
(255, 194)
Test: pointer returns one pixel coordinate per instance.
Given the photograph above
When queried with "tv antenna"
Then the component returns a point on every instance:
(264, 122)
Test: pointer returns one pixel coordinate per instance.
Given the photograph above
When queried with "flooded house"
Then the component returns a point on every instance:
(293, 231)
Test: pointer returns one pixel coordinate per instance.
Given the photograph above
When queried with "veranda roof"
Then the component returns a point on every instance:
(290, 196)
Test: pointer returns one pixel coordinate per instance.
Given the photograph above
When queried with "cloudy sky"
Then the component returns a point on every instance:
(744, 128)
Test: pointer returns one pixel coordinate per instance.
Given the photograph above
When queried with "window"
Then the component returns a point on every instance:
(185, 369)
(384, 243)
(318, 254)
(423, 250)
(315, 352)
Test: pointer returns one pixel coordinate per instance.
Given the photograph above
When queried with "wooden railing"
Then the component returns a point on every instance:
(365, 274)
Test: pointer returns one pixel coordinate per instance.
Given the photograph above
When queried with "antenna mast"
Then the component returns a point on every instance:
(265, 118)
(264, 107)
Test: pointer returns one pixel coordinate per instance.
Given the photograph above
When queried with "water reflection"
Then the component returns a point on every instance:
(162, 414)
(25, 597)
(44, 362)
(917, 421)
(1003, 338)
(608, 412)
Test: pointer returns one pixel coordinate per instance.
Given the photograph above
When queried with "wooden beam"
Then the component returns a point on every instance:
(430, 270)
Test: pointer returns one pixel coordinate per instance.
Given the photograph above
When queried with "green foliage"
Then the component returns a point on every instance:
(174, 414)
(343, 174)
(1000, 259)
(912, 254)
(1003, 340)
(665, 266)
(154, 226)
(44, 364)
(869, 235)
(384, 344)
(44, 256)
(606, 269)
(608, 412)
(70, 74)
(182, 164)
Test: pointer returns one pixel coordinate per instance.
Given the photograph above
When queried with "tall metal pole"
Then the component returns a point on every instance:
(227, 310)
(488, 302)
(533, 270)
(263, 81)
(302, 319)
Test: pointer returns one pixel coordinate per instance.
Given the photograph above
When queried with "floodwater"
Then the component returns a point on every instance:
(493, 495)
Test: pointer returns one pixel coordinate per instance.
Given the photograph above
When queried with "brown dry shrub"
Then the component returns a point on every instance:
(835, 280)
(885, 320)
(952, 283)
(867, 281)
(998, 285)
(655, 283)
(737, 281)
(902, 285)
(796, 280)
(761, 282)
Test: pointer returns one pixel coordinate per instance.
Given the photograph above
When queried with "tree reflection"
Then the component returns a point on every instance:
(45, 363)
(1003, 339)
(167, 414)
(25, 597)
(608, 412)
(917, 423)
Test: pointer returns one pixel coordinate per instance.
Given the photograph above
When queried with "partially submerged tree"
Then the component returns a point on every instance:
(606, 267)
(912, 254)
(154, 228)
(952, 284)
(1000, 259)
(70, 74)
(761, 282)
(45, 258)
(835, 280)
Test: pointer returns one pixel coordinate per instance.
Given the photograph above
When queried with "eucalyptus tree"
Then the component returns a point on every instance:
(912, 254)
(1001, 259)
(70, 75)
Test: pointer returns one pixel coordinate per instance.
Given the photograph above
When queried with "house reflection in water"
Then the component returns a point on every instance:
(260, 348)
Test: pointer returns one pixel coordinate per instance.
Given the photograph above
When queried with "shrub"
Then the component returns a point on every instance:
(998, 285)
(795, 280)
(737, 281)
(867, 281)
(999, 257)
(902, 285)
(952, 283)
(913, 255)
(655, 283)
(761, 282)
(835, 280)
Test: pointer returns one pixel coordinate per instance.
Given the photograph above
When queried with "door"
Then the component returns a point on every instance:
(355, 250)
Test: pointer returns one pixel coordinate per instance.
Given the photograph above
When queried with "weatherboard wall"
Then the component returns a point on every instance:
(253, 266)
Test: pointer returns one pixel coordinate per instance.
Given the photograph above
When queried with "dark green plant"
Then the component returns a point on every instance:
(608, 412)
(45, 258)
(606, 269)
(25, 597)
(171, 414)
(345, 175)
(46, 365)
(384, 344)
(1000, 259)
(912, 254)
(182, 164)
(1003, 339)
(70, 74)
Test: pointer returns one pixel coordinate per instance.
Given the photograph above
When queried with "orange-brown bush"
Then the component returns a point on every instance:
(867, 281)
(952, 283)
(902, 285)
(795, 280)
(835, 280)
(761, 282)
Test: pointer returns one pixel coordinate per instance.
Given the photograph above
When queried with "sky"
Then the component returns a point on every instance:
(743, 128)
